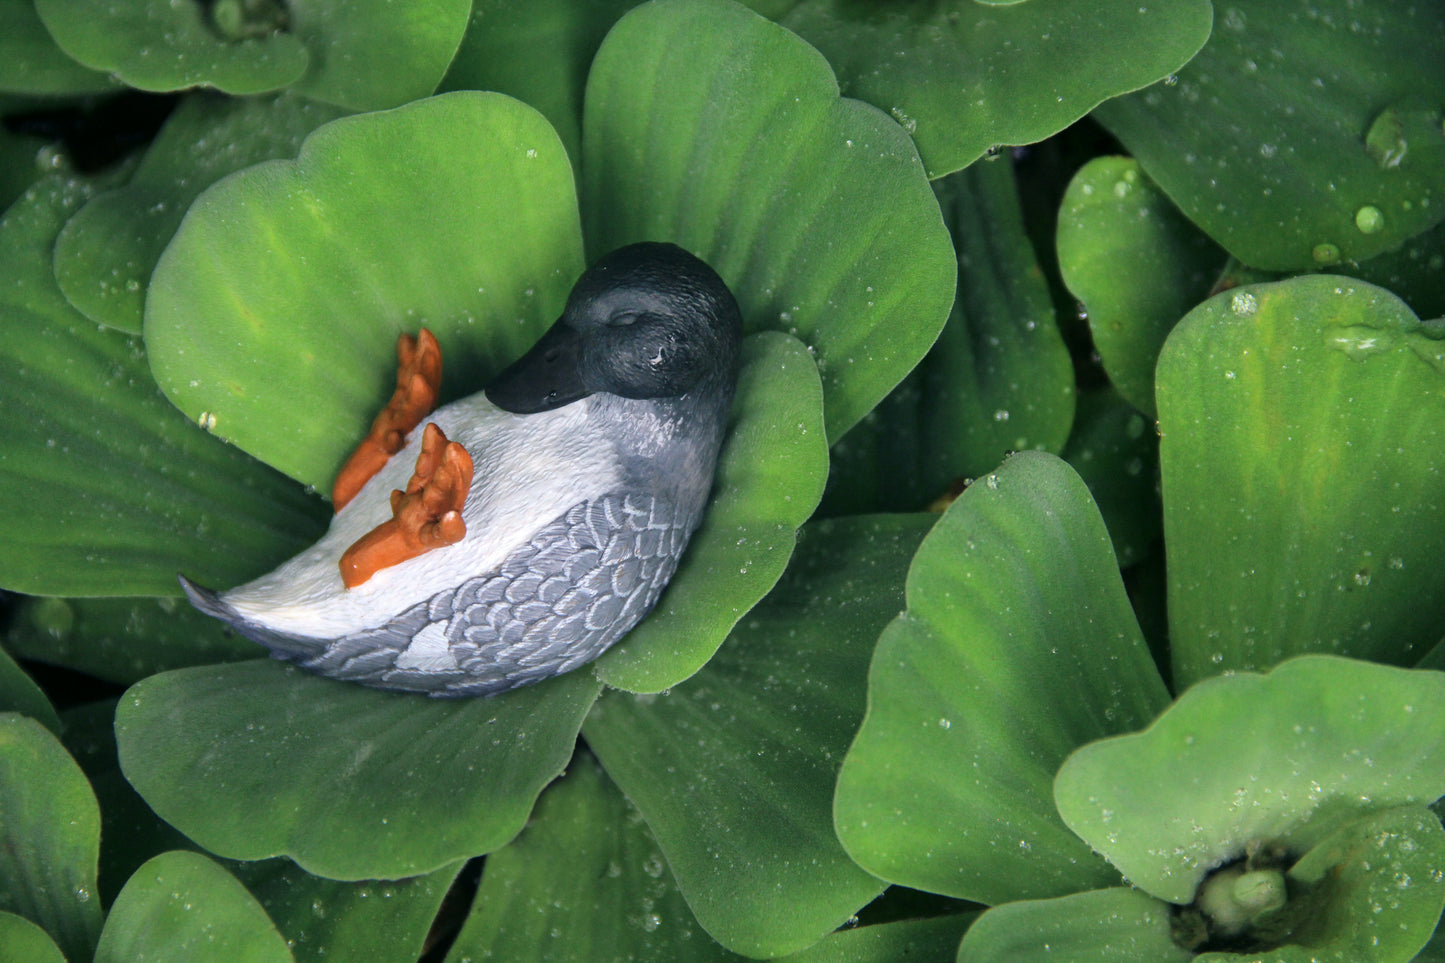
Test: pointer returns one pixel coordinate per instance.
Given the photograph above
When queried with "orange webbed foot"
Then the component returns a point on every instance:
(418, 381)
(427, 515)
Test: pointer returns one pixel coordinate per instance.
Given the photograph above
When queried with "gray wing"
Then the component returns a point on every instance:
(578, 586)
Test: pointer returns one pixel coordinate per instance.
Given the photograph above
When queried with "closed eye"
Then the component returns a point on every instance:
(622, 319)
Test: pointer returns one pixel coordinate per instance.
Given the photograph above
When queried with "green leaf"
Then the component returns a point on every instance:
(372, 54)
(105, 254)
(1135, 263)
(1116, 453)
(321, 919)
(539, 53)
(159, 45)
(181, 907)
(713, 128)
(21, 941)
(359, 54)
(133, 493)
(277, 306)
(1300, 137)
(20, 694)
(1101, 926)
(1000, 378)
(1247, 760)
(31, 63)
(963, 77)
(121, 640)
(1303, 428)
(734, 769)
(49, 837)
(254, 759)
(1017, 646)
(770, 475)
(925, 939)
(583, 882)
(1380, 882)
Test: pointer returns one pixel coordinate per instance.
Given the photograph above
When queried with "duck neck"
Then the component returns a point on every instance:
(668, 445)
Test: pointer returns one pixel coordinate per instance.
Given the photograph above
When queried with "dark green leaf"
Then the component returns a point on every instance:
(1116, 453)
(1246, 760)
(49, 837)
(1304, 133)
(20, 694)
(1101, 926)
(356, 783)
(1018, 645)
(105, 254)
(132, 492)
(371, 54)
(539, 53)
(31, 63)
(24, 159)
(734, 769)
(962, 77)
(921, 940)
(130, 832)
(21, 941)
(1303, 465)
(1416, 272)
(1135, 263)
(1000, 378)
(275, 310)
(122, 640)
(183, 907)
(323, 920)
(713, 128)
(584, 882)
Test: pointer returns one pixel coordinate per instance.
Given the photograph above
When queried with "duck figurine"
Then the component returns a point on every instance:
(514, 535)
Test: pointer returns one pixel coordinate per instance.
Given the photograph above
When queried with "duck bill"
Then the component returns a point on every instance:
(546, 377)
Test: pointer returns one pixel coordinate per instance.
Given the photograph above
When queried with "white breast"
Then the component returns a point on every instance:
(527, 470)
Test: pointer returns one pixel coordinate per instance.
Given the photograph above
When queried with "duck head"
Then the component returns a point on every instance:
(648, 321)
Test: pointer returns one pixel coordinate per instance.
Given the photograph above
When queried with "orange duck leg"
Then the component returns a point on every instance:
(427, 515)
(418, 381)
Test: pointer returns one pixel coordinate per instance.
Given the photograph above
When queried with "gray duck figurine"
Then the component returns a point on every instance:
(514, 535)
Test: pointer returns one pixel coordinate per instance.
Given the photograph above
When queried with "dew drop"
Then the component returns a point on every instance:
(1369, 219)
(1325, 253)
(53, 617)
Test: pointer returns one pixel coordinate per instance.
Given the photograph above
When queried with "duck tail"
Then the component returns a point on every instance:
(291, 648)
(208, 601)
